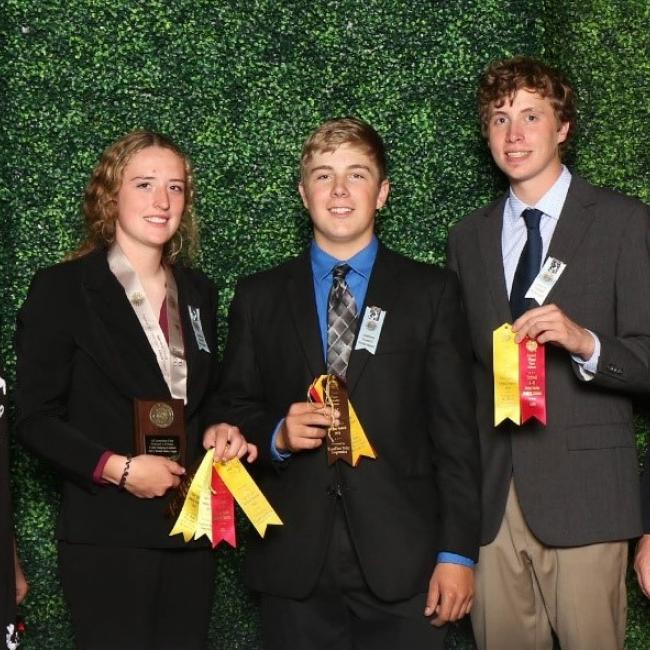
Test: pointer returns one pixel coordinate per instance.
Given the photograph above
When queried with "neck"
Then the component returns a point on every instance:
(145, 260)
(532, 190)
(341, 250)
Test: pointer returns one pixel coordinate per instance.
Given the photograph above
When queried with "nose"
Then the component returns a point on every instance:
(339, 188)
(514, 132)
(161, 198)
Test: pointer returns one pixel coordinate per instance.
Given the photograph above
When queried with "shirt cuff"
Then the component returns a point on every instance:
(453, 558)
(589, 368)
(99, 468)
(276, 454)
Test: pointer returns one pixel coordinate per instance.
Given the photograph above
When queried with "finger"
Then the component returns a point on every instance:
(252, 453)
(310, 432)
(222, 441)
(310, 419)
(300, 408)
(209, 438)
(174, 468)
(528, 316)
(445, 606)
(235, 448)
(306, 443)
(432, 599)
(456, 607)
(546, 312)
(540, 329)
(644, 583)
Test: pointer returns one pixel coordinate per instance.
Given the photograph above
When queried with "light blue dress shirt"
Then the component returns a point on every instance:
(513, 239)
(357, 279)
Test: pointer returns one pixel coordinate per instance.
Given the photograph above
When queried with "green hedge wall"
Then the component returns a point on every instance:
(239, 85)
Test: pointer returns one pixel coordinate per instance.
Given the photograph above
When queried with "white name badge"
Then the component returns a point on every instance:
(547, 277)
(195, 318)
(373, 321)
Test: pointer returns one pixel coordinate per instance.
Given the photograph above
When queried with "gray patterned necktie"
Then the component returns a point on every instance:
(341, 321)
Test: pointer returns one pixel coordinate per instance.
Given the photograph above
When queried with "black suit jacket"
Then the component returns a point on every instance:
(576, 477)
(414, 398)
(82, 359)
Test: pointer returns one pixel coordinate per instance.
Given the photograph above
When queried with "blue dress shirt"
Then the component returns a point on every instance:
(357, 279)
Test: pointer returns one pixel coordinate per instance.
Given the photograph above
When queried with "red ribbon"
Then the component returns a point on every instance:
(532, 380)
(223, 512)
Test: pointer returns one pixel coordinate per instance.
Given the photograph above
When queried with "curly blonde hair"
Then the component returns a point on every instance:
(100, 199)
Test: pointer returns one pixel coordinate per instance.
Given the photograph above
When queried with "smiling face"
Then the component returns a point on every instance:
(524, 135)
(342, 190)
(151, 199)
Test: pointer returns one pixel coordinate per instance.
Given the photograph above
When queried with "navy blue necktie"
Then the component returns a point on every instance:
(528, 265)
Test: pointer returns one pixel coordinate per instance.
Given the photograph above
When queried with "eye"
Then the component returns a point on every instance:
(145, 185)
(177, 188)
(499, 120)
(531, 117)
(322, 177)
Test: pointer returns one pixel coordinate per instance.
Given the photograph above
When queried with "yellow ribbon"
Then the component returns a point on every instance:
(248, 495)
(506, 375)
(195, 517)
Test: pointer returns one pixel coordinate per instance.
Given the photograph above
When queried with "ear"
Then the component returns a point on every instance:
(382, 197)
(303, 195)
(563, 131)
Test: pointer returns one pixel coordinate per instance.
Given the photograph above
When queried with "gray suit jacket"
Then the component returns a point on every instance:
(576, 477)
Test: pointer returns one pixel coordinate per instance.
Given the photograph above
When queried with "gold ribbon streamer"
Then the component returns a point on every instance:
(506, 375)
(194, 520)
(360, 444)
(248, 495)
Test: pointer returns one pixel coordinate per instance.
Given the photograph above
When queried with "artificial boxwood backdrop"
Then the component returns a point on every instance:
(239, 84)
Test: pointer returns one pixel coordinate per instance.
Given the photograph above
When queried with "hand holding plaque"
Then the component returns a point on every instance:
(159, 428)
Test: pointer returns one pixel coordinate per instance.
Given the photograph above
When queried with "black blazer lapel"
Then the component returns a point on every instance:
(120, 346)
(302, 306)
(489, 236)
(199, 362)
(572, 226)
(382, 292)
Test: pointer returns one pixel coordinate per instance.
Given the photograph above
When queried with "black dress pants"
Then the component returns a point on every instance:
(343, 614)
(138, 599)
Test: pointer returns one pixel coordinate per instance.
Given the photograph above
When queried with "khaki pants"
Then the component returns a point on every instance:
(524, 589)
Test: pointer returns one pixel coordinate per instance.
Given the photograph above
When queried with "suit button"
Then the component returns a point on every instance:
(335, 490)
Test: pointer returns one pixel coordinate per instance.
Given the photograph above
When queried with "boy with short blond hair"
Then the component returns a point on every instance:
(376, 552)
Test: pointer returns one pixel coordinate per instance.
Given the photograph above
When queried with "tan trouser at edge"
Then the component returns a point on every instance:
(523, 589)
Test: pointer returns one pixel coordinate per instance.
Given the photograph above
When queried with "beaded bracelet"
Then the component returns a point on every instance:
(122, 484)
